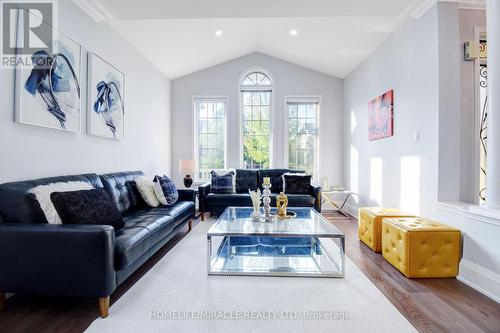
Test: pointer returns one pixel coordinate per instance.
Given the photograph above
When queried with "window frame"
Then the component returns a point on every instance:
(270, 88)
(208, 98)
(302, 99)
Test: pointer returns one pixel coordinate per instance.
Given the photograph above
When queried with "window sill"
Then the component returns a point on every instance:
(479, 213)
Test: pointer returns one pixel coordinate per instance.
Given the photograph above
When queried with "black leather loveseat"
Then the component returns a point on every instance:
(250, 180)
(81, 260)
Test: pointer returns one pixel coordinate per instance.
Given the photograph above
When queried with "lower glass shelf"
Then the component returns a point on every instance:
(275, 256)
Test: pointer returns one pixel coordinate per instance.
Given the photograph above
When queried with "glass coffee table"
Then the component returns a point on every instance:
(305, 246)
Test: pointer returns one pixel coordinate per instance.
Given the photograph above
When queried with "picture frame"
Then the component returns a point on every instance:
(381, 116)
(105, 99)
(48, 90)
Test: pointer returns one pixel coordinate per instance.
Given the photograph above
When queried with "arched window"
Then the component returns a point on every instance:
(256, 92)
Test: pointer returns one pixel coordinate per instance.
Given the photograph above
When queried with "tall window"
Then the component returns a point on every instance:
(256, 89)
(303, 139)
(210, 135)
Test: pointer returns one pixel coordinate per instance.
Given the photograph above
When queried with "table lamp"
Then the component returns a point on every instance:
(188, 168)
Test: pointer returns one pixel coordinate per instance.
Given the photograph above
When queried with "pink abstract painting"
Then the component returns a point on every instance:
(380, 116)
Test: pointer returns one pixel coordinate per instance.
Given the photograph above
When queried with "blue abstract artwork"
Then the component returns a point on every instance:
(48, 88)
(105, 98)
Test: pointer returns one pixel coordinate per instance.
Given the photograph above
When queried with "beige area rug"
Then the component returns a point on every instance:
(176, 295)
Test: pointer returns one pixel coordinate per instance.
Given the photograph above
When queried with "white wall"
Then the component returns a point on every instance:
(27, 152)
(421, 62)
(408, 63)
(289, 79)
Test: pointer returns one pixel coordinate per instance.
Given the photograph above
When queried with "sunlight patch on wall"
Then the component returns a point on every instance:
(354, 170)
(376, 164)
(410, 184)
(354, 123)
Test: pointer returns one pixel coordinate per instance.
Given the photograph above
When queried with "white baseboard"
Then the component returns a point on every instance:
(480, 278)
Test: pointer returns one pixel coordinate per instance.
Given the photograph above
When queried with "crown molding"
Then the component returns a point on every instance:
(468, 4)
(95, 10)
(418, 8)
(472, 4)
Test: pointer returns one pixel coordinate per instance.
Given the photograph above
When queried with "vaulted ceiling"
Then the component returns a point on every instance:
(184, 36)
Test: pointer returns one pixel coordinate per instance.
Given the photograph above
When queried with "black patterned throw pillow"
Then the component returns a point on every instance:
(87, 207)
(165, 190)
(296, 183)
(222, 184)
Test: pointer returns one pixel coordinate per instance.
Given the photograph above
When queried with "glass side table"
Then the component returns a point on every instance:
(328, 195)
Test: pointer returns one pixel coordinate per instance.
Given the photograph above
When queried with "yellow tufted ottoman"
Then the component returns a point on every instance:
(421, 248)
(370, 225)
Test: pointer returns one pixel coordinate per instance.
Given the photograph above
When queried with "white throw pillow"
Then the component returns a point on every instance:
(223, 172)
(42, 194)
(145, 187)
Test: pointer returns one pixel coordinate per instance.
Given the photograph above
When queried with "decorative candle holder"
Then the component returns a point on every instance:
(267, 202)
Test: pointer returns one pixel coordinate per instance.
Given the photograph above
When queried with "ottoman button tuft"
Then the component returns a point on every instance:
(423, 243)
(434, 254)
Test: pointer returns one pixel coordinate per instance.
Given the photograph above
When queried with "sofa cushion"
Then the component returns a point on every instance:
(235, 199)
(146, 190)
(243, 199)
(276, 176)
(140, 233)
(19, 206)
(181, 210)
(87, 207)
(165, 190)
(246, 180)
(122, 189)
(222, 183)
(146, 227)
(296, 183)
(43, 193)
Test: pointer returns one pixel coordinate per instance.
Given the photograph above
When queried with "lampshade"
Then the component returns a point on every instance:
(187, 167)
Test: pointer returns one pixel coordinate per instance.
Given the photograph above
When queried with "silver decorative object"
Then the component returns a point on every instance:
(267, 202)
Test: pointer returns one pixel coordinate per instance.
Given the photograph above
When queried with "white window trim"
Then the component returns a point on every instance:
(270, 88)
(302, 99)
(211, 98)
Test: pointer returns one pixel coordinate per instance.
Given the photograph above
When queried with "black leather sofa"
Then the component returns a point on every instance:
(250, 180)
(81, 260)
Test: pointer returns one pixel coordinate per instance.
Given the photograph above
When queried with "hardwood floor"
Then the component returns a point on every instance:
(431, 305)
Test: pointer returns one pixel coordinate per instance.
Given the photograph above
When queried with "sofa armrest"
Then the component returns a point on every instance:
(315, 191)
(69, 260)
(203, 191)
(187, 195)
